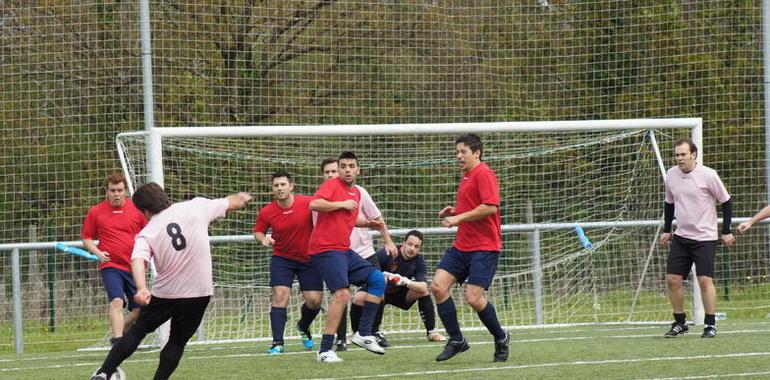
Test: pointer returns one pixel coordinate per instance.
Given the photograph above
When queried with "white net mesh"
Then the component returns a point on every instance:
(564, 177)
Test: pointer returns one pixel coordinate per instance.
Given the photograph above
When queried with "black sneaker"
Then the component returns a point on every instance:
(99, 376)
(341, 345)
(501, 348)
(451, 349)
(710, 331)
(676, 330)
(381, 339)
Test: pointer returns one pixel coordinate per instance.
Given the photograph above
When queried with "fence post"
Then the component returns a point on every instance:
(18, 327)
(537, 280)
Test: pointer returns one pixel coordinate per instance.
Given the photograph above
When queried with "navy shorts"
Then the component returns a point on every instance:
(339, 269)
(376, 264)
(119, 284)
(478, 267)
(396, 296)
(283, 270)
(684, 252)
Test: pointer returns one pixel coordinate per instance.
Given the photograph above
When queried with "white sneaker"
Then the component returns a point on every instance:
(368, 343)
(328, 357)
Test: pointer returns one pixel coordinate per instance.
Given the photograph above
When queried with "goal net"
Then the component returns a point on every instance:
(557, 177)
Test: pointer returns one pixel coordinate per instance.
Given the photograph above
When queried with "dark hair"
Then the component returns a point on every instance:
(347, 155)
(416, 234)
(327, 161)
(473, 141)
(116, 178)
(151, 197)
(689, 142)
(282, 173)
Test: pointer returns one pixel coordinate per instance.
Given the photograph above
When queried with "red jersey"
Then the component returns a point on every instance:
(115, 228)
(479, 186)
(291, 227)
(332, 229)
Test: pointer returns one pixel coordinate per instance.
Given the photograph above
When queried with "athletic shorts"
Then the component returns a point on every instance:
(478, 267)
(119, 284)
(376, 264)
(185, 315)
(339, 269)
(396, 296)
(283, 271)
(684, 252)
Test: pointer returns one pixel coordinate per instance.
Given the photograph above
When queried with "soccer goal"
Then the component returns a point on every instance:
(581, 206)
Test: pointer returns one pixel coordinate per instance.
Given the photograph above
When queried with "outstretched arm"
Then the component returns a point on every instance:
(238, 201)
(758, 217)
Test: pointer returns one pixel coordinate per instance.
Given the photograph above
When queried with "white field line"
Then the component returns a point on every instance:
(547, 365)
(741, 374)
(99, 356)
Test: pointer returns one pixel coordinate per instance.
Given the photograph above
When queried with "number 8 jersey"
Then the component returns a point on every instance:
(177, 240)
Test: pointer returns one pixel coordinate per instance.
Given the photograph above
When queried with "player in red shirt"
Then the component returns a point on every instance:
(337, 205)
(475, 252)
(115, 222)
(291, 221)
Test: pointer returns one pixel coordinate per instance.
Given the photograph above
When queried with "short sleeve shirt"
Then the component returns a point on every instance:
(360, 239)
(479, 186)
(115, 228)
(177, 239)
(332, 229)
(291, 227)
(694, 196)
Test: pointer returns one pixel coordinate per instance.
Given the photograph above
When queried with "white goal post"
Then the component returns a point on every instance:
(577, 157)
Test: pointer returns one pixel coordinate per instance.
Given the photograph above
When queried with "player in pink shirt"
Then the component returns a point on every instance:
(475, 252)
(290, 221)
(692, 191)
(115, 222)
(177, 240)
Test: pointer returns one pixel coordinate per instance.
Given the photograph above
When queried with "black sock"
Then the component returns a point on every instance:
(488, 316)
(367, 318)
(680, 318)
(277, 323)
(342, 329)
(378, 318)
(448, 314)
(710, 319)
(122, 349)
(427, 314)
(327, 341)
(355, 316)
(307, 317)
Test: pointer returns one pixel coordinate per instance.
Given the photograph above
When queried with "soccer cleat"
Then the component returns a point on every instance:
(435, 336)
(275, 349)
(368, 343)
(341, 346)
(501, 348)
(710, 331)
(451, 349)
(381, 339)
(99, 376)
(307, 339)
(328, 357)
(676, 330)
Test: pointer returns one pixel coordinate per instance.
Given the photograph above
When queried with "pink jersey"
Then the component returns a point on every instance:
(694, 195)
(360, 239)
(177, 239)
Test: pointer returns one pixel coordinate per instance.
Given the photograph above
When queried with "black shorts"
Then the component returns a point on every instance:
(396, 296)
(684, 252)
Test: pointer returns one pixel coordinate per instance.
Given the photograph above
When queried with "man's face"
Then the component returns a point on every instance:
(116, 194)
(348, 170)
(331, 171)
(467, 159)
(282, 188)
(684, 158)
(411, 247)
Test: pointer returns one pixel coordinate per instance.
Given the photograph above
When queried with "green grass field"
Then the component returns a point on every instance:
(741, 350)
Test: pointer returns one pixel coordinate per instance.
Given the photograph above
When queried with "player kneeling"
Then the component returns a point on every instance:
(407, 283)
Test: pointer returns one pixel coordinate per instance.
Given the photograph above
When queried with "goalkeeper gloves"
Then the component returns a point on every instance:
(396, 279)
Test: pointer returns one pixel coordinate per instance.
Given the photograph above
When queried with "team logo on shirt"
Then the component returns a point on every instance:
(287, 212)
(117, 211)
